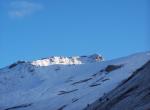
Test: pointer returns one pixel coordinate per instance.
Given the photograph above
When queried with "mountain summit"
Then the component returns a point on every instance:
(68, 60)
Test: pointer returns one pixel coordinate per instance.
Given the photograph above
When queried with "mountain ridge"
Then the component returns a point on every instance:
(68, 60)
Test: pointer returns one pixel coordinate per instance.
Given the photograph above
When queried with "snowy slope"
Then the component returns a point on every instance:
(131, 94)
(60, 83)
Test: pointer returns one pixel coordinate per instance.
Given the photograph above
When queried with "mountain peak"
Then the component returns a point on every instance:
(62, 60)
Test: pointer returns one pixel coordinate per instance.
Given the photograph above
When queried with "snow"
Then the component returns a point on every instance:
(68, 60)
(42, 86)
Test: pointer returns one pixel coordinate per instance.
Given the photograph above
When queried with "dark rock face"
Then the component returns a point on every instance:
(19, 107)
(96, 57)
(132, 94)
(15, 64)
(110, 68)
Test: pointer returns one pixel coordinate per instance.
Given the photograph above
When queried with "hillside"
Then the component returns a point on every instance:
(71, 83)
(132, 94)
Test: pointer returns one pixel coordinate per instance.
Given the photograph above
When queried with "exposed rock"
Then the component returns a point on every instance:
(133, 94)
(81, 81)
(110, 68)
(19, 107)
(15, 64)
(66, 92)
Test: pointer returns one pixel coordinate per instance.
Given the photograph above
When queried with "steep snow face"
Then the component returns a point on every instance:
(68, 60)
(24, 86)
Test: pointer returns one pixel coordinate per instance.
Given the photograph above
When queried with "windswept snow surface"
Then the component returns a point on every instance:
(63, 86)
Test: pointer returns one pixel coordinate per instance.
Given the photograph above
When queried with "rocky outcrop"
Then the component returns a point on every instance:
(61, 60)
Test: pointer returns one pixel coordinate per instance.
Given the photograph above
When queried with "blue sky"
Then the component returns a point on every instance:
(33, 29)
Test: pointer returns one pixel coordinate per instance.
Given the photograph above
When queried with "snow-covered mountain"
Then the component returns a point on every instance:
(64, 83)
(68, 60)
